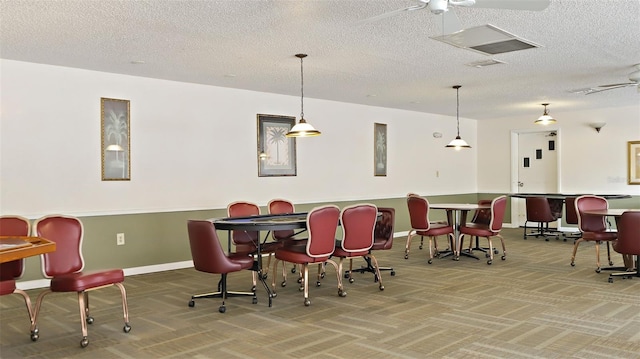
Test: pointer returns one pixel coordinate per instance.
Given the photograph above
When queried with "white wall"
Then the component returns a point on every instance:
(194, 146)
(590, 162)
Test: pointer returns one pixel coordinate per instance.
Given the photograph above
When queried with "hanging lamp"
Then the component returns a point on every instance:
(458, 142)
(302, 128)
(545, 119)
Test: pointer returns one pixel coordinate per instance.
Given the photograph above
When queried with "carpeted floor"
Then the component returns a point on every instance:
(533, 305)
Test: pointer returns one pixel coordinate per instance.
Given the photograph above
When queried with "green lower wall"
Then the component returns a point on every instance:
(159, 238)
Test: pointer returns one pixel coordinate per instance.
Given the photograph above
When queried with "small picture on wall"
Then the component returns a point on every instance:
(380, 149)
(633, 166)
(276, 151)
(116, 141)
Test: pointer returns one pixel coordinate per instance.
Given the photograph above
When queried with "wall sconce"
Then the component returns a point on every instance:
(598, 125)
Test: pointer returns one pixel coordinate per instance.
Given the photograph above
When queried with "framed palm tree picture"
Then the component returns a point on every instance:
(276, 151)
(114, 125)
(379, 149)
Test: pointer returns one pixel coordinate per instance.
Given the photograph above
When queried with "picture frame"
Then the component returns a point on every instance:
(115, 139)
(379, 149)
(276, 152)
(633, 163)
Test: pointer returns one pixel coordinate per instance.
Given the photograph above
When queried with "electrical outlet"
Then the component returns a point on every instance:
(120, 239)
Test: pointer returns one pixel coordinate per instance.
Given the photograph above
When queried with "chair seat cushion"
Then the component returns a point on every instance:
(437, 229)
(381, 244)
(7, 286)
(297, 254)
(339, 252)
(599, 236)
(77, 282)
(477, 229)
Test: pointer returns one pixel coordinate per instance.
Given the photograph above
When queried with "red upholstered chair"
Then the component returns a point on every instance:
(65, 269)
(628, 243)
(539, 210)
(209, 257)
(492, 229)
(571, 216)
(358, 228)
(593, 228)
(420, 225)
(10, 271)
(482, 216)
(282, 206)
(382, 240)
(322, 223)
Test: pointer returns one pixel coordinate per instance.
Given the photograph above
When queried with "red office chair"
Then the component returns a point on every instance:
(593, 228)
(209, 257)
(358, 233)
(539, 210)
(571, 216)
(420, 225)
(628, 243)
(492, 229)
(322, 223)
(382, 240)
(10, 271)
(65, 269)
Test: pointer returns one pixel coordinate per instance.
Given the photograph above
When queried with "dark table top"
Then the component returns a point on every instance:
(564, 195)
(263, 222)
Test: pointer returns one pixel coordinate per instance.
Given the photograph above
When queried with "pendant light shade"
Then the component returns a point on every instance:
(302, 128)
(458, 142)
(545, 119)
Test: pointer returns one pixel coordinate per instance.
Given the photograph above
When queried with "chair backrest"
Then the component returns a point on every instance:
(206, 249)
(322, 223)
(629, 233)
(483, 215)
(538, 210)
(570, 210)
(67, 232)
(243, 209)
(418, 212)
(358, 224)
(383, 233)
(13, 226)
(587, 223)
(281, 206)
(498, 207)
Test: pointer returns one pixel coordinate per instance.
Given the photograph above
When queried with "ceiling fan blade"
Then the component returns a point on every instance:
(448, 22)
(619, 85)
(602, 88)
(392, 13)
(532, 5)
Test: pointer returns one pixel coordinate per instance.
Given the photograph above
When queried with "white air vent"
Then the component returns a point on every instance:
(486, 39)
(483, 63)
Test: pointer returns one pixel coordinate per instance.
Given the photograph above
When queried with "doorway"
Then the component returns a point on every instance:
(535, 167)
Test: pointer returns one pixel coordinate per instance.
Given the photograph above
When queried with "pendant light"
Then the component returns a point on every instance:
(302, 128)
(545, 119)
(458, 142)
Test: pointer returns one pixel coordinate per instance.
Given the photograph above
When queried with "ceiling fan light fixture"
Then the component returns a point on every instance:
(458, 143)
(302, 128)
(545, 119)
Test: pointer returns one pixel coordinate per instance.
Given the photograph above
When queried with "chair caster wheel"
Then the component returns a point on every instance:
(253, 289)
(503, 257)
(393, 273)
(456, 258)
(34, 335)
(351, 280)
(300, 289)
(192, 303)
(222, 309)
(307, 302)
(430, 261)
(89, 320)
(264, 276)
(342, 293)
(406, 256)
(255, 300)
(489, 262)
(495, 251)
(84, 342)
(610, 263)
(318, 283)
(322, 275)
(381, 287)
(420, 247)
(299, 280)
(573, 264)
(610, 280)
(283, 284)
(293, 270)
(126, 328)
(598, 270)
(346, 276)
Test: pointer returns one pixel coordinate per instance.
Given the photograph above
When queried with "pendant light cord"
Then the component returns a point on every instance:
(301, 90)
(458, 109)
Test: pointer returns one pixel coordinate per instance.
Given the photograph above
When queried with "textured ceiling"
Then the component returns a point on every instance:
(390, 63)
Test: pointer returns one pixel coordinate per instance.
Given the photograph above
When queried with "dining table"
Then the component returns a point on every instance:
(19, 247)
(456, 216)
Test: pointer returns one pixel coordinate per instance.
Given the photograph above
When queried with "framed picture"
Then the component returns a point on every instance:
(114, 126)
(634, 163)
(379, 149)
(276, 151)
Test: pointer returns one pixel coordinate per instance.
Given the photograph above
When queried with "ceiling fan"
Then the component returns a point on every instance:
(450, 20)
(634, 79)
